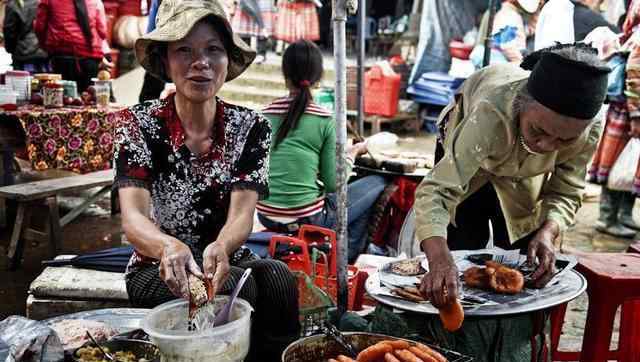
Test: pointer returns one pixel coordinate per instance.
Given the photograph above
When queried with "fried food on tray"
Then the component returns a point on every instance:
(452, 316)
(395, 351)
(503, 279)
(496, 277)
(477, 277)
(408, 294)
(408, 267)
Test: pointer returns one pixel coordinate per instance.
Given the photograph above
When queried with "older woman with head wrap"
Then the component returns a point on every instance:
(513, 150)
(189, 171)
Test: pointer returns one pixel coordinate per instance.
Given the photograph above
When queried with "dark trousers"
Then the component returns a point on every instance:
(152, 87)
(471, 231)
(81, 70)
(271, 290)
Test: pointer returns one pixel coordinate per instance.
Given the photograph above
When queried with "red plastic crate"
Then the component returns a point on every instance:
(381, 92)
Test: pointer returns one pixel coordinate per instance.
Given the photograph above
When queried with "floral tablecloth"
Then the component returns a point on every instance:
(78, 139)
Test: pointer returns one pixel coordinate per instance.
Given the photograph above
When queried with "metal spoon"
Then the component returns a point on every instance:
(223, 317)
(104, 353)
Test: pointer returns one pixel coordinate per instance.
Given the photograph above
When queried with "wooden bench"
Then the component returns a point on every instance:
(65, 290)
(28, 194)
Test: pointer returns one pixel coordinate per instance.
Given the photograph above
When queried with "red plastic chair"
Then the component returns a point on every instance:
(613, 280)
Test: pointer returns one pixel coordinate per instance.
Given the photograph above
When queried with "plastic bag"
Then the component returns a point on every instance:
(30, 341)
(623, 171)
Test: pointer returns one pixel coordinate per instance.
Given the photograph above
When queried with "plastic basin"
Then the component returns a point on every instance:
(166, 325)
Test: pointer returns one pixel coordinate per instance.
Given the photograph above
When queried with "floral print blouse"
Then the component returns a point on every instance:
(190, 193)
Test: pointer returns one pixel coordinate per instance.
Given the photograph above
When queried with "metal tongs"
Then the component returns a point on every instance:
(331, 331)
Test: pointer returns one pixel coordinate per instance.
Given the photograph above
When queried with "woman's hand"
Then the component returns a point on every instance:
(635, 128)
(440, 284)
(357, 149)
(175, 262)
(541, 246)
(216, 264)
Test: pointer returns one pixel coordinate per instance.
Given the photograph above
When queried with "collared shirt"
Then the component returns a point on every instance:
(190, 193)
(482, 145)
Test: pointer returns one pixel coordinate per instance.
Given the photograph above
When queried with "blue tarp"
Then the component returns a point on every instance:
(434, 88)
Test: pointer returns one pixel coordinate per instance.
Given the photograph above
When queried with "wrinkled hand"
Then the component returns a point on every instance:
(541, 246)
(216, 264)
(440, 284)
(635, 128)
(357, 149)
(175, 262)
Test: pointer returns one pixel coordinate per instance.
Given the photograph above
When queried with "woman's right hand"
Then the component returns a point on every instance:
(175, 262)
(440, 284)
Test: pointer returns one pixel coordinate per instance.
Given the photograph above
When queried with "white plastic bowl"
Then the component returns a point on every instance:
(226, 343)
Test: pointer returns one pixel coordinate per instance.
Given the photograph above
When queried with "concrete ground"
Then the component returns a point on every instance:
(97, 229)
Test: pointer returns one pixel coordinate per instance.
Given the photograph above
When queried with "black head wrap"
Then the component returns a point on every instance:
(566, 86)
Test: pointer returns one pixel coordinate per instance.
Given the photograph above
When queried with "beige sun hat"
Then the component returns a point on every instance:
(529, 6)
(174, 21)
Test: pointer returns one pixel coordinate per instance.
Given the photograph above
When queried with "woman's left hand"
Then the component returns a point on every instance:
(541, 246)
(216, 264)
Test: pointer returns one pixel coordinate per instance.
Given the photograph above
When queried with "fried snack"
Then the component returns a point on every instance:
(373, 353)
(343, 358)
(452, 316)
(197, 291)
(413, 290)
(408, 267)
(388, 357)
(477, 277)
(423, 355)
(397, 344)
(405, 355)
(432, 352)
(406, 295)
(503, 279)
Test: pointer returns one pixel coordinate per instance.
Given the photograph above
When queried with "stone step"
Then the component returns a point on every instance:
(241, 94)
(274, 67)
(259, 80)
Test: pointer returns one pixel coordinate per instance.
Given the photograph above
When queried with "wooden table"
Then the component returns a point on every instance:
(376, 121)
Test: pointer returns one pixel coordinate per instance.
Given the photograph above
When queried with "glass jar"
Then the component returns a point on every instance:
(103, 92)
(53, 96)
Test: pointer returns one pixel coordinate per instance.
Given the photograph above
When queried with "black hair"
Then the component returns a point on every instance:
(82, 16)
(301, 67)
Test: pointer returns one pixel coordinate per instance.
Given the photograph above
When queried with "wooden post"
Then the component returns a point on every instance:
(486, 59)
(362, 24)
(339, 52)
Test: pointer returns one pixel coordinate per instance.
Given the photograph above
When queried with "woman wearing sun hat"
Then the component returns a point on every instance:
(201, 164)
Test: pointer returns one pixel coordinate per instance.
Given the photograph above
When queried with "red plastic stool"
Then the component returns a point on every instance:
(613, 280)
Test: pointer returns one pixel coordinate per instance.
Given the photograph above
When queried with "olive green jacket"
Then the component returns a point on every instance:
(482, 145)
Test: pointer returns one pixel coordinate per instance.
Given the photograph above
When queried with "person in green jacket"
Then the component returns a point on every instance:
(302, 165)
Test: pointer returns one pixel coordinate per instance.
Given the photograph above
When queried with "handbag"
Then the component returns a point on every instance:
(623, 171)
(616, 80)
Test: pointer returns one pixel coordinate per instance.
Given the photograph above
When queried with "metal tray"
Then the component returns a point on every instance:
(565, 287)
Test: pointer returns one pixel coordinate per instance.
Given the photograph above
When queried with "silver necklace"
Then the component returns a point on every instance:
(526, 147)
